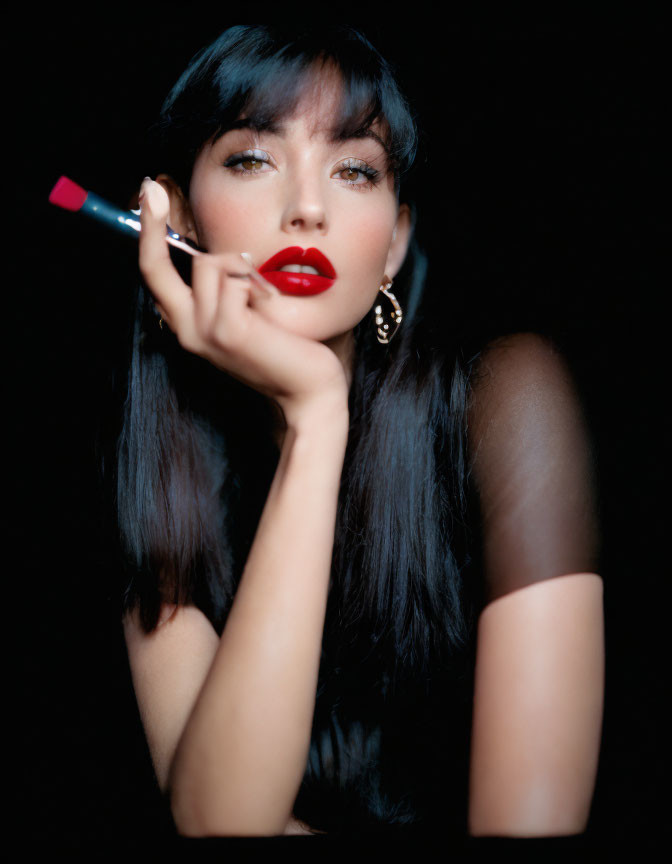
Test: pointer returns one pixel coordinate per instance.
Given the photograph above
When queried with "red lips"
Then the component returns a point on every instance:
(299, 283)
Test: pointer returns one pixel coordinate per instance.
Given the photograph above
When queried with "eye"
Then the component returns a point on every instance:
(353, 172)
(250, 162)
(353, 167)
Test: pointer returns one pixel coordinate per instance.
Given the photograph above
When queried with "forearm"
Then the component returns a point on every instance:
(538, 701)
(241, 758)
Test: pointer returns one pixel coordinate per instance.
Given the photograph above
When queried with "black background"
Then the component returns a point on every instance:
(543, 197)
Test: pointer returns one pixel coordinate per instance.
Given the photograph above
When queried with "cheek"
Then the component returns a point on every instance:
(226, 225)
(368, 241)
(370, 247)
(370, 235)
(225, 222)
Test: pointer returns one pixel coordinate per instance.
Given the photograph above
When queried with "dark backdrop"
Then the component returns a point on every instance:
(543, 200)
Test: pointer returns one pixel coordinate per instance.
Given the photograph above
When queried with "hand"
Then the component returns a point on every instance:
(217, 318)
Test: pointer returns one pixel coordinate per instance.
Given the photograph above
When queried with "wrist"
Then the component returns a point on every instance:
(328, 411)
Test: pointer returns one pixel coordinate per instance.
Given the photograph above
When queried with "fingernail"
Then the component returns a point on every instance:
(143, 188)
(155, 198)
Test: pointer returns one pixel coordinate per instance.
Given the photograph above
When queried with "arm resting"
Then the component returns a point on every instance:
(538, 703)
(241, 758)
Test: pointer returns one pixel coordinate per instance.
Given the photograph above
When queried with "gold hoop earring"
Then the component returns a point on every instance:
(385, 331)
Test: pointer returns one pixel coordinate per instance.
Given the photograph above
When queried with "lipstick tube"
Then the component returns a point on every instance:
(73, 197)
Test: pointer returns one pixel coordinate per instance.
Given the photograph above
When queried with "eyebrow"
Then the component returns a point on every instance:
(279, 129)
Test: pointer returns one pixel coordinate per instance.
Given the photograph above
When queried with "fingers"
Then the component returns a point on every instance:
(205, 282)
(223, 286)
(261, 287)
(212, 313)
(173, 296)
(243, 282)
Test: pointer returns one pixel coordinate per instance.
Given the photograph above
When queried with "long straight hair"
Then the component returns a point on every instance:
(194, 456)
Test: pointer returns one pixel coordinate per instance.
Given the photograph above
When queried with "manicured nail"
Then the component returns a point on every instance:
(155, 199)
(143, 188)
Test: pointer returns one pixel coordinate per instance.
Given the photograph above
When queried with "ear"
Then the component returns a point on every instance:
(180, 217)
(401, 237)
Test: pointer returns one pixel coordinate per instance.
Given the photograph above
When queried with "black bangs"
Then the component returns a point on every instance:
(259, 72)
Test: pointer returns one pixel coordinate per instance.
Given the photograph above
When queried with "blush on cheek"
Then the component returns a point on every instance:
(225, 228)
(373, 237)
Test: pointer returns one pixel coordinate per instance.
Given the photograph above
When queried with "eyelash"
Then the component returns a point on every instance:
(372, 175)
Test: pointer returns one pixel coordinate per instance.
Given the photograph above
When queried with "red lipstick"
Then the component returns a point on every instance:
(302, 284)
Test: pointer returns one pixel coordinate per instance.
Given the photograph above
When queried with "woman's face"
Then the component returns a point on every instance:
(298, 188)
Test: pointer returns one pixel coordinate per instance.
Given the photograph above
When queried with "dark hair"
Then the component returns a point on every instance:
(191, 471)
(259, 70)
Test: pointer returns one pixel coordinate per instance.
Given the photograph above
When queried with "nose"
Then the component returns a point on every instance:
(305, 210)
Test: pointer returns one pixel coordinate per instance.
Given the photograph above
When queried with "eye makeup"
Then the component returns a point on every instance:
(260, 157)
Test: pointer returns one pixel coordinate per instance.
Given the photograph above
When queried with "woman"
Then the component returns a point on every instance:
(329, 508)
